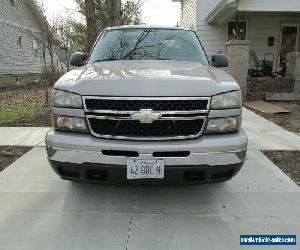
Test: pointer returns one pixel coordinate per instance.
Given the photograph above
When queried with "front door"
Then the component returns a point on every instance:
(289, 43)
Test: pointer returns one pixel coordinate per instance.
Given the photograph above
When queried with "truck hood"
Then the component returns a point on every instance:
(147, 78)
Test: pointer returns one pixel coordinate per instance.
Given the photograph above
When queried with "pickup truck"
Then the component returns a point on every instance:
(146, 106)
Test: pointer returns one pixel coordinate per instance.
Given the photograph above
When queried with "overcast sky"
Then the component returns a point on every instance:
(159, 12)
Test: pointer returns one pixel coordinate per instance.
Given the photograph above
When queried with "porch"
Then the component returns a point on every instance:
(272, 29)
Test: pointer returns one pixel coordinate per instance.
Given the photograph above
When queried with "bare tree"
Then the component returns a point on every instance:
(131, 12)
(90, 14)
(114, 14)
(110, 13)
(45, 39)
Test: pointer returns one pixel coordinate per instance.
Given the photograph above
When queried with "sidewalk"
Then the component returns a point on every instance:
(18, 136)
(265, 135)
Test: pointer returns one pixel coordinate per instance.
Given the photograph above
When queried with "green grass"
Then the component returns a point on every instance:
(13, 115)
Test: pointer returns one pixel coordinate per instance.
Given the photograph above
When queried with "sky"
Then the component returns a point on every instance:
(157, 12)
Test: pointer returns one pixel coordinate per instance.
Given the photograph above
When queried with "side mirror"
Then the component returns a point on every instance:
(219, 61)
(78, 59)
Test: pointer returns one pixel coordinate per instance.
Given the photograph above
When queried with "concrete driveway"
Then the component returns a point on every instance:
(40, 211)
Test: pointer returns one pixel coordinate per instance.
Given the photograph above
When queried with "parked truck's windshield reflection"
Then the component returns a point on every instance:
(148, 44)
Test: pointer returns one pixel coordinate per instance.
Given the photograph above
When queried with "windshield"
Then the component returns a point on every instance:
(148, 44)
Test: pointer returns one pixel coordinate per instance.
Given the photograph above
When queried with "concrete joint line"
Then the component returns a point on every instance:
(131, 217)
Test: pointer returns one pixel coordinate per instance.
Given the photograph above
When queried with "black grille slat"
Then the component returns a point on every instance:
(160, 128)
(136, 105)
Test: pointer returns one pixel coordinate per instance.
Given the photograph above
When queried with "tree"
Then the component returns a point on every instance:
(131, 12)
(46, 41)
(90, 14)
(111, 13)
(71, 33)
(113, 8)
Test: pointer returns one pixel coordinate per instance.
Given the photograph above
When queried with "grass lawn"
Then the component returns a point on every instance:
(13, 115)
(25, 117)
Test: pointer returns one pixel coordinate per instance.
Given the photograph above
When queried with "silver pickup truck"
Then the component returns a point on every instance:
(147, 107)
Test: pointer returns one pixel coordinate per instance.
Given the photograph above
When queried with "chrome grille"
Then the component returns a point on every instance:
(123, 117)
(161, 128)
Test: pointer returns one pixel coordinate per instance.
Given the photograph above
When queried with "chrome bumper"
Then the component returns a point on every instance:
(210, 150)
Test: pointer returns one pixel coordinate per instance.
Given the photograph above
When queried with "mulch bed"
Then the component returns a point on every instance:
(287, 161)
(24, 95)
(9, 154)
(29, 97)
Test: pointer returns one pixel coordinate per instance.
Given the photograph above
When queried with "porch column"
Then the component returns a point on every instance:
(237, 52)
(293, 70)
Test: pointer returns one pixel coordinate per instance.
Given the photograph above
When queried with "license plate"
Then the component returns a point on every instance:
(145, 169)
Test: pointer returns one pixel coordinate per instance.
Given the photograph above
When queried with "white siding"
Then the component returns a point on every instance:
(13, 60)
(19, 15)
(188, 14)
(213, 37)
(269, 5)
(13, 22)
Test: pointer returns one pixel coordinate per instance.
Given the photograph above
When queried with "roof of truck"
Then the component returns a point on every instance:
(142, 26)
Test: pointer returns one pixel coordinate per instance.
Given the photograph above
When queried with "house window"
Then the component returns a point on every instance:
(19, 42)
(36, 79)
(35, 48)
(18, 80)
(35, 53)
(13, 3)
(234, 32)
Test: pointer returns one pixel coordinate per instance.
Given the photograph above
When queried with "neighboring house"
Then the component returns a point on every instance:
(22, 27)
(271, 26)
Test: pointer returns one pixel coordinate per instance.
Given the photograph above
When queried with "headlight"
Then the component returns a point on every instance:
(69, 123)
(227, 124)
(227, 100)
(66, 99)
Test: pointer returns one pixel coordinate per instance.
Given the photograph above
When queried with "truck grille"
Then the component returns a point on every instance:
(136, 105)
(160, 128)
(140, 118)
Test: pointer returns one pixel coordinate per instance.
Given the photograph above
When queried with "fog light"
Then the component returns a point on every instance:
(69, 123)
(64, 122)
(227, 124)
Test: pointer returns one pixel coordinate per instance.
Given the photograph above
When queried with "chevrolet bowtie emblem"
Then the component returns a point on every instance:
(146, 116)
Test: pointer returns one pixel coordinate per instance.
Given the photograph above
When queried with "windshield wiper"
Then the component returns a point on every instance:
(119, 59)
(107, 59)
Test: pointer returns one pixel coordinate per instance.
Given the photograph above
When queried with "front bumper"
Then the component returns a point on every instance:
(205, 159)
(114, 174)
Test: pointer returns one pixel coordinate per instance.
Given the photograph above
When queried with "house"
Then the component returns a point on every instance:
(271, 27)
(23, 48)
